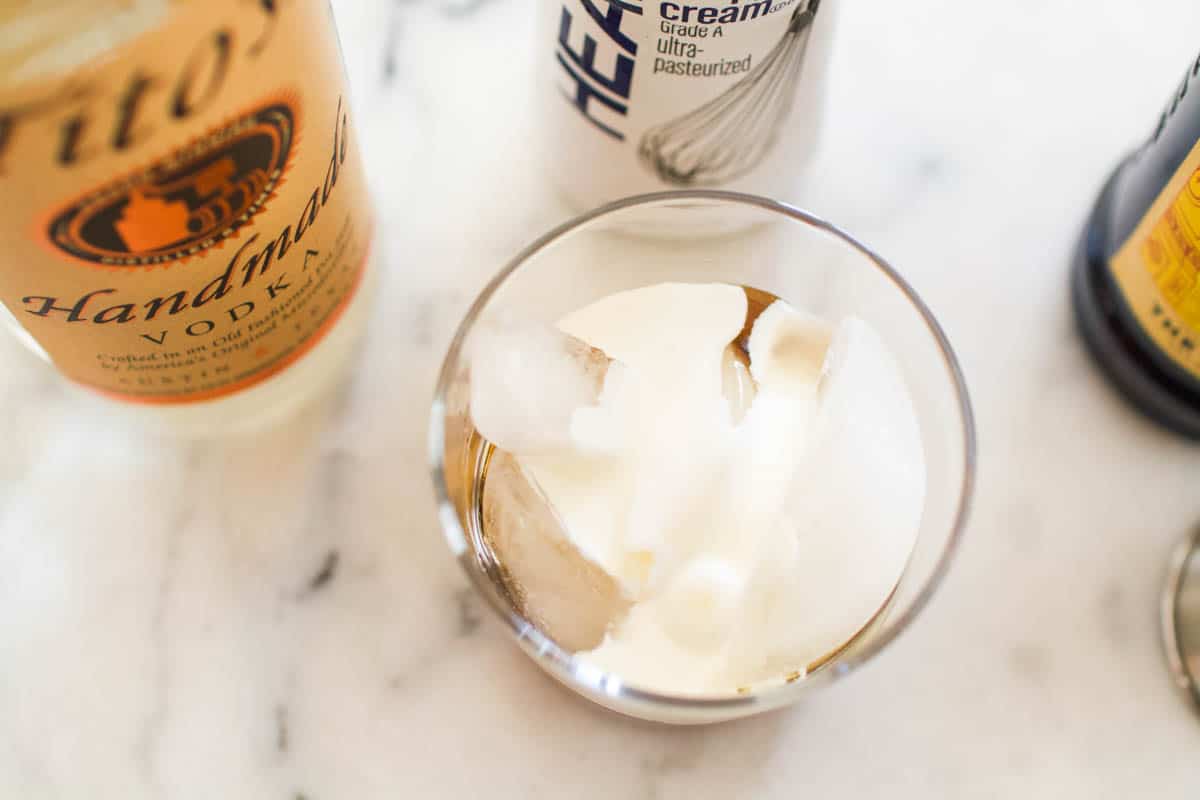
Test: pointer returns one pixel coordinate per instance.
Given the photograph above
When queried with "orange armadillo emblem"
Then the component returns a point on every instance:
(182, 205)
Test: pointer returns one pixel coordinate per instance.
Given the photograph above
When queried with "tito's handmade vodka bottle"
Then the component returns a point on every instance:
(186, 227)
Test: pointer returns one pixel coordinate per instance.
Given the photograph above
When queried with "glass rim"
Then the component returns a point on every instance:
(607, 688)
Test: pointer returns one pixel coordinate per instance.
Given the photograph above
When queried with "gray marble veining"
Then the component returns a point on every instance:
(278, 617)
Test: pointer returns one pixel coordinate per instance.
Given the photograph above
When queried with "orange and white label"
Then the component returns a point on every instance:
(188, 214)
(1158, 267)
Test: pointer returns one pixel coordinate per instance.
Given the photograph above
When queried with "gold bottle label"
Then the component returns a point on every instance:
(1158, 267)
(187, 215)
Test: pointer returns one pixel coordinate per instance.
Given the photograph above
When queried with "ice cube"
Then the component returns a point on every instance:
(857, 498)
(667, 328)
(569, 598)
(702, 603)
(527, 381)
(736, 383)
(788, 345)
(786, 350)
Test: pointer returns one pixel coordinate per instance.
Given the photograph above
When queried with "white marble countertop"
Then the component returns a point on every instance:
(279, 617)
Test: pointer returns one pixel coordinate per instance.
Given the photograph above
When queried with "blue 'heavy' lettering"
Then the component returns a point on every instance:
(580, 65)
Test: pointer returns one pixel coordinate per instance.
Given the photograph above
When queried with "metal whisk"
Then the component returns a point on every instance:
(729, 135)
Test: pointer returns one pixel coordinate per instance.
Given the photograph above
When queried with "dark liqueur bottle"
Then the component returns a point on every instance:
(1135, 280)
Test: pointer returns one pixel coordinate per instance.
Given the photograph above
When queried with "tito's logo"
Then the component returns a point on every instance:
(186, 203)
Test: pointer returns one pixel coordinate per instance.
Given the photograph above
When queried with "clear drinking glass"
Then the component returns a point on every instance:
(712, 236)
